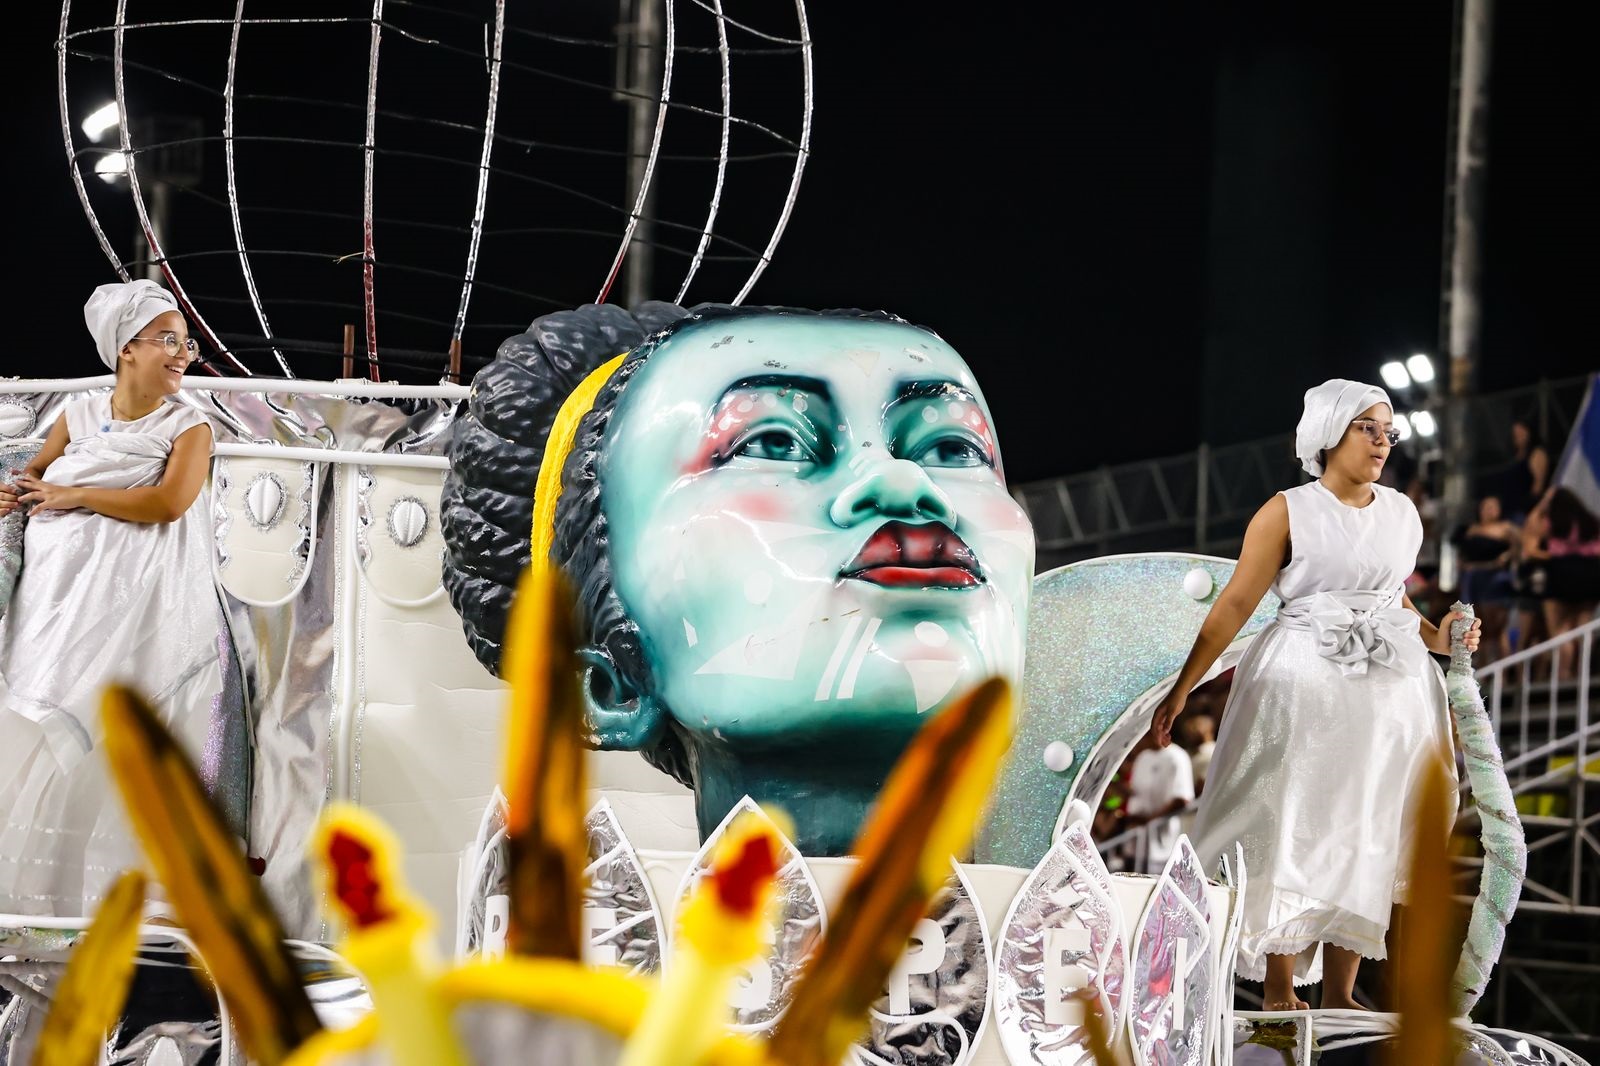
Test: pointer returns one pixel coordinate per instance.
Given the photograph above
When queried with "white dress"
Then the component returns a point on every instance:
(98, 600)
(1333, 712)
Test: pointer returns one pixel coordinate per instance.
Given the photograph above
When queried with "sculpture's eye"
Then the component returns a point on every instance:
(952, 451)
(775, 443)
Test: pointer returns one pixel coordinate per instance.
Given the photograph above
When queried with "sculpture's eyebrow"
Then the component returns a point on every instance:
(934, 387)
(787, 382)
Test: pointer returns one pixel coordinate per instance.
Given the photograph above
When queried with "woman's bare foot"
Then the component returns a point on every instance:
(1341, 1003)
(1276, 1000)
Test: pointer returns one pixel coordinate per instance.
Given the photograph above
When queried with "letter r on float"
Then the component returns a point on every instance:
(923, 955)
(1064, 977)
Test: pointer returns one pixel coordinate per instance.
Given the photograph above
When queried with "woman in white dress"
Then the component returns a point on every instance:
(115, 586)
(1335, 711)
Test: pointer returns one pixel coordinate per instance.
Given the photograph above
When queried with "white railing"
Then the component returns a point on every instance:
(1129, 850)
(1548, 736)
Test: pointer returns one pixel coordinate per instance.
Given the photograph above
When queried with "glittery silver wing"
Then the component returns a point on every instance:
(1136, 614)
(620, 916)
(937, 1003)
(764, 990)
(1172, 967)
(1061, 953)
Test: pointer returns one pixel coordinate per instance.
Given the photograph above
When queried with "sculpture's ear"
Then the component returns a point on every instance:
(622, 717)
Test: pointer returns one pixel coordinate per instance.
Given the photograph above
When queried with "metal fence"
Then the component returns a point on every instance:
(1202, 500)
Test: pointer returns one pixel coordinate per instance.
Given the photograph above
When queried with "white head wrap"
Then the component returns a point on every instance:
(1330, 408)
(115, 313)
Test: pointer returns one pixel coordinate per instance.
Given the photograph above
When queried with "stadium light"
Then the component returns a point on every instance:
(1394, 375)
(111, 167)
(103, 119)
(1421, 368)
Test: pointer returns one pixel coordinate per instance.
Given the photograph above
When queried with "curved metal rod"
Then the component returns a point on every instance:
(233, 189)
(150, 234)
(804, 41)
(799, 162)
(72, 153)
(650, 164)
(368, 252)
(722, 152)
(165, 24)
(483, 172)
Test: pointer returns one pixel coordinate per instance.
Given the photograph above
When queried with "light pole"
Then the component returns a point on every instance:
(1465, 191)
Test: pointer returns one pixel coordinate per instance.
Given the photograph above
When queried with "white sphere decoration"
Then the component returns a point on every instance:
(1057, 756)
(1077, 811)
(1197, 583)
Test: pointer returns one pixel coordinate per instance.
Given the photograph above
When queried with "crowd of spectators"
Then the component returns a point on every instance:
(1529, 563)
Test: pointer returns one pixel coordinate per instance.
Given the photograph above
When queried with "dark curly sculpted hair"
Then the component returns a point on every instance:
(487, 503)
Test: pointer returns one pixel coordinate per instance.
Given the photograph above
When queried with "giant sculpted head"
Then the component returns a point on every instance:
(789, 530)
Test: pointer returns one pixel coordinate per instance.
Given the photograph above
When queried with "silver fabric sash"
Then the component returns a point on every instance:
(1357, 629)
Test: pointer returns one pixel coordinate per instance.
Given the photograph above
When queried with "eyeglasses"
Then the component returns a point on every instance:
(169, 340)
(1377, 432)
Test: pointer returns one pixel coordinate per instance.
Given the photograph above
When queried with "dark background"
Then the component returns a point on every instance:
(1144, 225)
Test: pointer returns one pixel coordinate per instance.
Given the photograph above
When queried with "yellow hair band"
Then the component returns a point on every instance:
(563, 434)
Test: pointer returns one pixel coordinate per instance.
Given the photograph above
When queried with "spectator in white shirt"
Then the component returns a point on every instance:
(1162, 786)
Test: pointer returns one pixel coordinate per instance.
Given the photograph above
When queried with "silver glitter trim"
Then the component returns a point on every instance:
(221, 517)
(365, 483)
(302, 546)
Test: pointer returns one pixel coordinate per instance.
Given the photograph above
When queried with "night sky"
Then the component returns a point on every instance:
(1142, 224)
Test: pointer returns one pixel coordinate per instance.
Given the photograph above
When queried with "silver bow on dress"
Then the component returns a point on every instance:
(1356, 629)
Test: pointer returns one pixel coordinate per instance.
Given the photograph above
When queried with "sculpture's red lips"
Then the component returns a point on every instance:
(927, 555)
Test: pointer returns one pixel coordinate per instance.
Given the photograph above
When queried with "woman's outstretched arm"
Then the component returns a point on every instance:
(187, 467)
(1266, 546)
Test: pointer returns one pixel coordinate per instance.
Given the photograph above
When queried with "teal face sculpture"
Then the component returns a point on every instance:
(788, 532)
(806, 520)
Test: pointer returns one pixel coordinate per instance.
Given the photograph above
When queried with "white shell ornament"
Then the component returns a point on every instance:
(408, 521)
(264, 499)
(17, 418)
